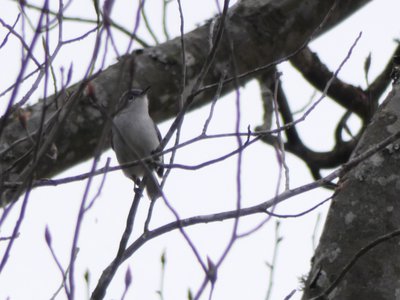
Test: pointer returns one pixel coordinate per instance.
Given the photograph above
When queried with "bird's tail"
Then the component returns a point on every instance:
(153, 188)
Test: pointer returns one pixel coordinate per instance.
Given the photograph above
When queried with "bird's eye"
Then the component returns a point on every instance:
(135, 92)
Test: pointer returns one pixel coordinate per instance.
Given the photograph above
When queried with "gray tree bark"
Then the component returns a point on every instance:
(365, 208)
(260, 32)
(366, 204)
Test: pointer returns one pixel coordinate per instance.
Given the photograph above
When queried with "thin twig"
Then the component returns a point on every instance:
(259, 208)
(109, 272)
(148, 26)
(272, 265)
(103, 180)
(164, 19)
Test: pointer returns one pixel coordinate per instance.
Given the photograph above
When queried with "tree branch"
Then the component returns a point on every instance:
(254, 27)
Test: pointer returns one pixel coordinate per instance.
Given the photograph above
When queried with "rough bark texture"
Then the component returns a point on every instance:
(261, 31)
(366, 206)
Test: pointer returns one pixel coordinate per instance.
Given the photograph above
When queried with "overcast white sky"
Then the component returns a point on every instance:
(31, 272)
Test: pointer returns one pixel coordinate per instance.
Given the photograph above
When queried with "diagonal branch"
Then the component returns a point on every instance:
(255, 28)
(316, 73)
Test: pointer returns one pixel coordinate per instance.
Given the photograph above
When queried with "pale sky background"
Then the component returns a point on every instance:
(31, 272)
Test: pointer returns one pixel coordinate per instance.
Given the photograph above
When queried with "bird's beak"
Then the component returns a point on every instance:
(146, 90)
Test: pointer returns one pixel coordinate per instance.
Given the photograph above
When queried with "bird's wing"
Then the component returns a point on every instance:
(159, 169)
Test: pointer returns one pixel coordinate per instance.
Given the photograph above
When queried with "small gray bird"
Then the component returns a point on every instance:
(135, 136)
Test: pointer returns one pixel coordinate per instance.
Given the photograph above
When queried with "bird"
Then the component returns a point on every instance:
(136, 136)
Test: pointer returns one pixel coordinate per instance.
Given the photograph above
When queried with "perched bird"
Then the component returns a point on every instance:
(136, 136)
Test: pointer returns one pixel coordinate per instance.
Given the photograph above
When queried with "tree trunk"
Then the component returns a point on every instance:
(366, 207)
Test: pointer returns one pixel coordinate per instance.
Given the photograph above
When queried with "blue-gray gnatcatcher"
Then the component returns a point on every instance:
(136, 136)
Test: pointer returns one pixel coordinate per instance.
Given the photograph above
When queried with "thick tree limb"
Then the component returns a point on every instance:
(350, 97)
(381, 82)
(366, 207)
(261, 32)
